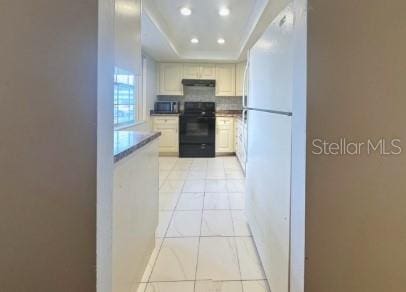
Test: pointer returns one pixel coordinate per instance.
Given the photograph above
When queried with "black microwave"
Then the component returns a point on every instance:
(166, 107)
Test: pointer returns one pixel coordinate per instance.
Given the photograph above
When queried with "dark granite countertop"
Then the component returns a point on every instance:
(228, 113)
(152, 113)
(219, 113)
(126, 142)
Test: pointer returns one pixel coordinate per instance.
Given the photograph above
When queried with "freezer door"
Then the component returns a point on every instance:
(268, 173)
(270, 66)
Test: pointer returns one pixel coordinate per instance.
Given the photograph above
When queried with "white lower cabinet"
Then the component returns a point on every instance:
(169, 128)
(225, 135)
(240, 137)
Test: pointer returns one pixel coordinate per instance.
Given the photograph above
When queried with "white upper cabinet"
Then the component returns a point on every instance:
(170, 79)
(208, 71)
(191, 71)
(239, 78)
(199, 71)
(225, 79)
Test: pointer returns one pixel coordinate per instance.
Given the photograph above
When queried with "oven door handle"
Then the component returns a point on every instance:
(204, 119)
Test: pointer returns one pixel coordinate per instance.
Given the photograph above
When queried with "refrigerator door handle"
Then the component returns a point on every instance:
(277, 112)
(244, 88)
(244, 100)
(245, 135)
(244, 112)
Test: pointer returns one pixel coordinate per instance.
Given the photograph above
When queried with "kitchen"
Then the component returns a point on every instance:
(208, 102)
(223, 105)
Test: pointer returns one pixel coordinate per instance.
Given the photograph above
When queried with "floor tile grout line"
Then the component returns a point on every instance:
(163, 241)
(157, 255)
(209, 236)
(163, 238)
(188, 210)
(198, 280)
(174, 281)
(165, 235)
(198, 244)
(178, 281)
(256, 251)
(230, 211)
(237, 254)
(260, 262)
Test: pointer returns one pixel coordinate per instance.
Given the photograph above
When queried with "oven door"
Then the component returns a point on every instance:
(197, 130)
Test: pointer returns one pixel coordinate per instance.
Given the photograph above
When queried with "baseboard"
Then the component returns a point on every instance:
(168, 154)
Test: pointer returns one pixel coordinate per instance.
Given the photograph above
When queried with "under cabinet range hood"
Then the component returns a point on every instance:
(199, 82)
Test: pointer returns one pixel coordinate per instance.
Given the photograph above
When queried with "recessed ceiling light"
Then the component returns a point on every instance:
(194, 40)
(224, 11)
(185, 11)
(221, 41)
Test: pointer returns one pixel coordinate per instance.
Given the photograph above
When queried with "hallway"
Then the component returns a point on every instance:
(203, 242)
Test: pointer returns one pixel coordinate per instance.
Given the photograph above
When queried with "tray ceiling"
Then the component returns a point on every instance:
(166, 34)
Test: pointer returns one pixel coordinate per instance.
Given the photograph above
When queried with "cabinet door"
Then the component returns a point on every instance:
(168, 140)
(225, 135)
(191, 71)
(207, 71)
(239, 78)
(224, 140)
(240, 147)
(170, 79)
(225, 80)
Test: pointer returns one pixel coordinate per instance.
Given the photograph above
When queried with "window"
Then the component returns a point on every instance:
(124, 97)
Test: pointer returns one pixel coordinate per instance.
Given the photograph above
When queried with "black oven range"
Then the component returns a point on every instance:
(198, 130)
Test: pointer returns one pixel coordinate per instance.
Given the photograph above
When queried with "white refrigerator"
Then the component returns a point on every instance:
(268, 167)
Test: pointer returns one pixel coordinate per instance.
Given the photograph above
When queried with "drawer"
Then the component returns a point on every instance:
(161, 127)
(166, 121)
(224, 121)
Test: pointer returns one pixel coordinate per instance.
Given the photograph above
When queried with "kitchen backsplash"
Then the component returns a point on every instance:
(196, 93)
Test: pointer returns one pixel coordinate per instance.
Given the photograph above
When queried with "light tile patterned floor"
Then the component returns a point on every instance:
(203, 241)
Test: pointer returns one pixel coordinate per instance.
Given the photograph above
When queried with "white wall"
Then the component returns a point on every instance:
(127, 44)
(48, 152)
(104, 145)
(356, 205)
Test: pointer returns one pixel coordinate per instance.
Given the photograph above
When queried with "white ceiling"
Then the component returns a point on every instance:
(154, 41)
(166, 33)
